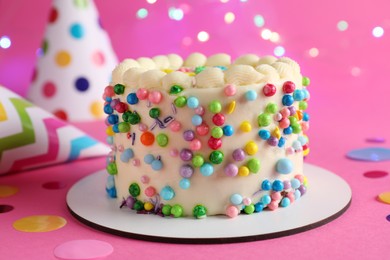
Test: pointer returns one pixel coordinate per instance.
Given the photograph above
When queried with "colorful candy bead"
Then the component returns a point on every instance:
(149, 158)
(271, 108)
(288, 87)
(287, 100)
(216, 157)
(167, 193)
(175, 126)
(197, 160)
(228, 130)
(126, 155)
(186, 154)
(147, 138)
(185, 184)
(177, 211)
(277, 185)
(236, 199)
(195, 145)
(175, 89)
(202, 129)
(298, 95)
(162, 139)
(142, 94)
(199, 110)
(155, 97)
(245, 126)
(196, 120)
(148, 206)
(192, 102)
(284, 166)
(119, 89)
(249, 209)
(266, 199)
(251, 148)
(166, 210)
(214, 143)
(199, 211)
(124, 127)
(266, 185)
(269, 90)
(154, 112)
(186, 171)
(217, 132)
(218, 119)
(206, 169)
(111, 168)
(188, 135)
(305, 81)
(230, 90)
(138, 205)
(250, 95)
(264, 134)
(157, 165)
(231, 107)
(150, 191)
(259, 207)
(134, 189)
(238, 155)
(243, 171)
(121, 107)
(303, 105)
(180, 101)
(132, 99)
(232, 211)
(264, 119)
(215, 106)
(231, 170)
(254, 165)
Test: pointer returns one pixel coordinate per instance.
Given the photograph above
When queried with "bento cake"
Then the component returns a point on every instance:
(206, 135)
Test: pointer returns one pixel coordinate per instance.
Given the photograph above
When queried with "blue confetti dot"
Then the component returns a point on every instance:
(285, 202)
(277, 185)
(77, 31)
(126, 155)
(112, 119)
(259, 207)
(82, 84)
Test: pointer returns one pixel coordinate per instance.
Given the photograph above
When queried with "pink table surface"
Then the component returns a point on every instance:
(345, 109)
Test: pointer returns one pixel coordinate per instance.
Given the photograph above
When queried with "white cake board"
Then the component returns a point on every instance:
(328, 196)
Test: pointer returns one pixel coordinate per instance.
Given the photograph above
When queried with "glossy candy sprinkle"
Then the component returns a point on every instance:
(236, 199)
(207, 169)
(111, 168)
(132, 99)
(186, 171)
(155, 97)
(126, 155)
(216, 157)
(157, 165)
(217, 132)
(288, 87)
(218, 119)
(142, 94)
(196, 120)
(185, 183)
(195, 145)
(231, 170)
(162, 140)
(166, 210)
(243, 171)
(214, 143)
(149, 158)
(192, 102)
(134, 190)
(251, 148)
(124, 127)
(264, 119)
(253, 165)
(250, 95)
(264, 134)
(284, 166)
(119, 89)
(228, 130)
(271, 108)
(154, 112)
(230, 90)
(232, 211)
(215, 106)
(197, 160)
(199, 211)
(147, 138)
(167, 193)
(277, 185)
(177, 211)
(245, 126)
(180, 101)
(175, 89)
(202, 129)
(238, 155)
(287, 100)
(186, 154)
(150, 191)
(231, 107)
(266, 185)
(269, 90)
(188, 135)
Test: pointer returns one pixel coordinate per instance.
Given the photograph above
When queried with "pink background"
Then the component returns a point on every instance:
(349, 104)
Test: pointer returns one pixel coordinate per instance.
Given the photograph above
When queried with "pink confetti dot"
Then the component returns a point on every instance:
(375, 174)
(54, 185)
(83, 249)
(49, 89)
(98, 58)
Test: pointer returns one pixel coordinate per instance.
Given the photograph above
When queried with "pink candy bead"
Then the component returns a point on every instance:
(284, 123)
(276, 196)
(155, 97)
(285, 112)
(273, 205)
(202, 129)
(174, 152)
(199, 110)
(246, 201)
(175, 126)
(142, 94)
(109, 91)
(230, 90)
(121, 107)
(136, 162)
(232, 211)
(278, 116)
(290, 150)
(291, 196)
(195, 145)
(305, 126)
(145, 179)
(142, 127)
(299, 177)
(120, 148)
(150, 191)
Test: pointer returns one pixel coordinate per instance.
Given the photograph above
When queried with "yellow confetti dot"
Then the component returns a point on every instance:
(384, 197)
(96, 109)
(6, 191)
(245, 127)
(231, 107)
(39, 223)
(63, 58)
(109, 131)
(243, 171)
(276, 133)
(251, 148)
(148, 206)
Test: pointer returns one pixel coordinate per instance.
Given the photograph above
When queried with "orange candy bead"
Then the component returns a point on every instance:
(147, 138)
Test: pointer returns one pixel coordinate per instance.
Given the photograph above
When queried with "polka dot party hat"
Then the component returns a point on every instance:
(75, 62)
(31, 137)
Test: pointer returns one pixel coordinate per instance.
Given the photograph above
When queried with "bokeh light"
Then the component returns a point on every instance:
(175, 13)
(224, 1)
(151, 1)
(187, 41)
(279, 51)
(229, 17)
(203, 36)
(5, 42)
(342, 25)
(142, 13)
(378, 32)
(258, 20)
(266, 34)
(356, 71)
(275, 37)
(314, 52)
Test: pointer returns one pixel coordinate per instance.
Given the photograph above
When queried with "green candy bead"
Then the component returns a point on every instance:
(138, 205)
(197, 160)
(264, 119)
(253, 165)
(119, 89)
(166, 210)
(132, 118)
(296, 128)
(199, 69)
(215, 106)
(293, 120)
(272, 108)
(162, 140)
(217, 132)
(111, 168)
(177, 211)
(124, 127)
(199, 211)
(154, 112)
(134, 189)
(180, 101)
(302, 105)
(305, 81)
(249, 209)
(175, 89)
(216, 157)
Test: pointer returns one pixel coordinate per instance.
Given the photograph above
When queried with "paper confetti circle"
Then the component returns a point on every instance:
(83, 249)
(373, 154)
(7, 191)
(39, 223)
(31, 137)
(76, 63)
(384, 197)
(375, 174)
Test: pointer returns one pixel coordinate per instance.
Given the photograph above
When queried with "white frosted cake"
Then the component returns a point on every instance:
(206, 135)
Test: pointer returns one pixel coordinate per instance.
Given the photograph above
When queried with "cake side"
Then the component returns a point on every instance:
(228, 137)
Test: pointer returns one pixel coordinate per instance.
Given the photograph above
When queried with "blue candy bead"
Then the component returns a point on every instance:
(266, 185)
(284, 166)
(196, 120)
(266, 199)
(184, 183)
(108, 109)
(264, 134)
(111, 192)
(287, 100)
(115, 128)
(259, 207)
(285, 202)
(306, 93)
(126, 155)
(228, 130)
(206, 169)
(298, 95)
(277, 185)
(282, 142)
(112, 119)
(297, 194)
(302, 139)
(132, 99)
(236, 199)
(305, 117)
(157, 165)
(148, 159)
(192, 102)
(251, 95)
(295, 183)
(110, 139)
(287, 130)
(167, 193)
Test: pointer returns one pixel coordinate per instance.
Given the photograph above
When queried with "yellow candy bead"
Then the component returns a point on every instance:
(191, 74)
(251, 148)
(245, 127)
(243, 171)
(231, 107)
(109, 131)
(168, 71)
(306, 152)
(305, 181)
(148, 206)
(276, 133)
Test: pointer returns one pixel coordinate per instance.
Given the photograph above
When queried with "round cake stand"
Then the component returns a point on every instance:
(327, 198)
